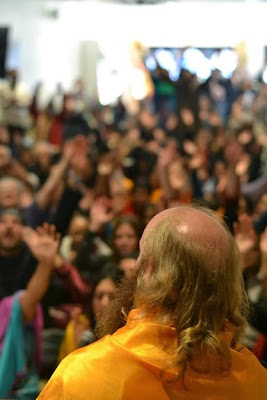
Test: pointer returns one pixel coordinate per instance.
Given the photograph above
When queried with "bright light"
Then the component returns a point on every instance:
(138, 84)
(165, 59)
(191, 59)
(227, 62)
(214, 60)
(151, 63)
(204, 69)
(195, 61)
(109, 84)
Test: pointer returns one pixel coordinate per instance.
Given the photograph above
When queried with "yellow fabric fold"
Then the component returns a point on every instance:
(128, 365)
(69, 344)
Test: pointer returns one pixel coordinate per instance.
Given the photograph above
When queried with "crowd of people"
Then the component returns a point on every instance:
(79, 182)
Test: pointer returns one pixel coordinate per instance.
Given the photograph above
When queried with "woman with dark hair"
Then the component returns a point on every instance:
(81, 329)
(125, 237)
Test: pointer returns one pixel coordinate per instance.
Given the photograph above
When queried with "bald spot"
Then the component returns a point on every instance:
(195, 224)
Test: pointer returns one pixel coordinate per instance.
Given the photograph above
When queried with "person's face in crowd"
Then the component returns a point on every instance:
(78, 227)
(125, 240)
(187, 117)
(140, 198)
(127, 265)
(9, 194)
(10, 233)
(147, 119)
(172, 122)
(203, 174)
(261, 206)
(219, 169)
(203, 139)
(70, 104)
(178, 177)
(26, 157)
(103, 294)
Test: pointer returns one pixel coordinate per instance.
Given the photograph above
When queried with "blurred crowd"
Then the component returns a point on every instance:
(80, 181)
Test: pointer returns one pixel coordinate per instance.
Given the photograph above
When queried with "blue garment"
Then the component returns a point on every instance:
(16, 379)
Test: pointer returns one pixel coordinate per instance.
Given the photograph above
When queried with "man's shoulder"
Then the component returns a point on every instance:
(89, 356)
(81, 371)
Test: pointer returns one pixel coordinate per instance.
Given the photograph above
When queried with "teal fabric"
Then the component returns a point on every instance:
(16, 380)
(12, 358)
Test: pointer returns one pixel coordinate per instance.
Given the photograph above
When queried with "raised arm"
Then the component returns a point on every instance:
(166, 156)
(43, 244)
(43, 197)
(246, 239)
(11, 167)
(100, 214)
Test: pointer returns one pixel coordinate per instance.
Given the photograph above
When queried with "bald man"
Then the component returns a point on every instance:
(174, 329)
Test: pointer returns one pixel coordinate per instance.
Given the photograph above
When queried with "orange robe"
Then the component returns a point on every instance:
(128, 364)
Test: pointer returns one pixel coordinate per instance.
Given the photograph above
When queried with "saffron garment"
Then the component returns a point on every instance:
(128, 365)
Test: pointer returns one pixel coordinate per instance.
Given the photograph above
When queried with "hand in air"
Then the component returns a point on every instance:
(42, 242)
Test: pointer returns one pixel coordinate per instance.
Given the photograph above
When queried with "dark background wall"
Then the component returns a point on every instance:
(3, 50)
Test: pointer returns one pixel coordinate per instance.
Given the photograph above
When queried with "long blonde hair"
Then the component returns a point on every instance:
(196, 287)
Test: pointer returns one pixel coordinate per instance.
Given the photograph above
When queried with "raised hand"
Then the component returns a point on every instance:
(190, 147)
(245, 234)
(43, 243)
(87, 199)
(75, 151)
(167, 155)
(197, 161)
(100, 213)
(233, 152)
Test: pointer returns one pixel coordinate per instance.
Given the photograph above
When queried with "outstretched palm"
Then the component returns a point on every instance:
(245, 235)
(100, 213)
(43, 243)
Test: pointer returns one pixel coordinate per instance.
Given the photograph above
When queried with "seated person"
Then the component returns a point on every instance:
(174, 328)
(20, 312)
(124, 241)
(81, 329)
(70, 243)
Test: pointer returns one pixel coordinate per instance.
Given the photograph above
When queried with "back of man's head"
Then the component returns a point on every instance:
(189, 277)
